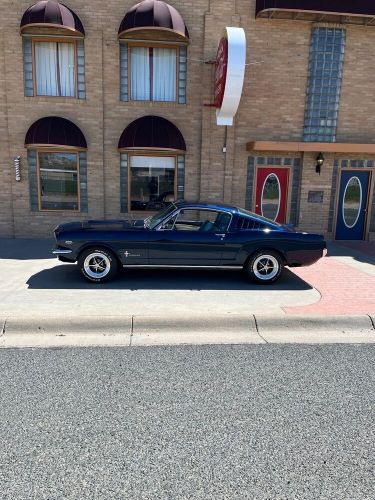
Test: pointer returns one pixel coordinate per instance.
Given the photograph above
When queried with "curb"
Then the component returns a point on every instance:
(130, 331)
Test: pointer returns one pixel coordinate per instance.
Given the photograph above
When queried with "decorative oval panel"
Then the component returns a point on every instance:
(271, 196)
(352, 202)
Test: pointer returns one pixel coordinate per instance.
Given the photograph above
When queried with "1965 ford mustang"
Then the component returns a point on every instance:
(188, 235)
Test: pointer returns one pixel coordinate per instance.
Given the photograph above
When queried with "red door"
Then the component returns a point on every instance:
(271, 197)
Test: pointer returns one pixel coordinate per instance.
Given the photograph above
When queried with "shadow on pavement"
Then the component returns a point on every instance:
(66, 276)
(25, 249)
(361, 251)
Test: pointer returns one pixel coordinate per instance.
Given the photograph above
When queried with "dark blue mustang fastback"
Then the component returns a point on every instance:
(187, 235)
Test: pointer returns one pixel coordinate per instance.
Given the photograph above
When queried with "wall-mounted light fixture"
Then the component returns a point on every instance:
(319, 163)
(17, 167)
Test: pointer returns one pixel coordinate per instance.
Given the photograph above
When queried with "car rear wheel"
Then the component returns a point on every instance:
(264, 267)
(98, 265)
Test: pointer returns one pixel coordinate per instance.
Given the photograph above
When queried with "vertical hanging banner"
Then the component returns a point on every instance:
(229, 74)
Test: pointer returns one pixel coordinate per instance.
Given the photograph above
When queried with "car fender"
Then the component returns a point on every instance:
(98, 244)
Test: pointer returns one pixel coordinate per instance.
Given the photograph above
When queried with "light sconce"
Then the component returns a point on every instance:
(319, 163)
(17, 167)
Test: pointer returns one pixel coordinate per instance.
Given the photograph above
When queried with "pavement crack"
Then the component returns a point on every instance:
(2, 332)
(257, 330)
(131, 331)
(372, 321)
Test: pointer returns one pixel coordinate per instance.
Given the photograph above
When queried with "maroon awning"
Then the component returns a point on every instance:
(316, 9)
(48, 13)
(152, 132)
(153, 14)
(55, 131)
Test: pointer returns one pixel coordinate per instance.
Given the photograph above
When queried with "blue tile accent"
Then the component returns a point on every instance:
(124, 176)
(294, 206)
(335, 176)
(182, 74)
(372, 221)
(83, 182)
(124, 72)
(180, 177)
(33, 181)
(250, 182)
(28, 67)
(81, 69)
(327, 50)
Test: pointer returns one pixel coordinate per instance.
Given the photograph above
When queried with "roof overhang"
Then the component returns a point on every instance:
(323, 147)
(344, 11)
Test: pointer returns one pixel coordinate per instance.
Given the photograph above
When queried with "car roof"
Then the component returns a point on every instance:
(207, 206)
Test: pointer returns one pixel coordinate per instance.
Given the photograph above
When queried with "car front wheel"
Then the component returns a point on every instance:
(98, 265)
(264, 267)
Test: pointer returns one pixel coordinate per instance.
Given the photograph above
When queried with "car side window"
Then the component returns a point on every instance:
(169, 224)
(202, 221)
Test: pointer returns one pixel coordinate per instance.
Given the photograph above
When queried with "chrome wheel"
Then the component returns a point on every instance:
(97, 265)
(265, 267)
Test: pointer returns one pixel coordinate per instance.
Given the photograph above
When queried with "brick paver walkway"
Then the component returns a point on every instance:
(366, 247)
(343, 289)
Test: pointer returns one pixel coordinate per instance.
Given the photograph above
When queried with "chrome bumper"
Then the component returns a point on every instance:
(61, 252)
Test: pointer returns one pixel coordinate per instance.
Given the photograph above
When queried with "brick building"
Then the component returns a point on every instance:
(105, 106)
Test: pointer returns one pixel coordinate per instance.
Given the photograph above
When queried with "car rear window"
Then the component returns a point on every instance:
(245, 223)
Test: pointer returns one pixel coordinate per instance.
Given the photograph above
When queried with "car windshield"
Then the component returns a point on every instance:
(252, 214)
(152, 221)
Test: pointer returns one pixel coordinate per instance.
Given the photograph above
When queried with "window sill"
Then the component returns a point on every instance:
(48, 98)
(153, 104)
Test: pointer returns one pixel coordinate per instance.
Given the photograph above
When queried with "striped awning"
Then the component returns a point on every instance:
(154, 15)
(55, 131)
(50, 14)
(152, 132)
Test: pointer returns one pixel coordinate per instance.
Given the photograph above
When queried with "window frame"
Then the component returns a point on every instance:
(153, 45)
(57, 151)
(176, 214)
(151, 154)
(34, 41)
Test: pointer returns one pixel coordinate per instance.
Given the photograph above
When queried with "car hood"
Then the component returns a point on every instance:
(100, 225)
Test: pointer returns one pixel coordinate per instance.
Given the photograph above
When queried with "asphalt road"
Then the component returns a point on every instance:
(233, 422)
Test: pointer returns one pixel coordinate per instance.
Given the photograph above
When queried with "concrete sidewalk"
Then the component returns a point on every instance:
(45, 302)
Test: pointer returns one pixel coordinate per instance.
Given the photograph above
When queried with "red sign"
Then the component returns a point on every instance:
(221, 72)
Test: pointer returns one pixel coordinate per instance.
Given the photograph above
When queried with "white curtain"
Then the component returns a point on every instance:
(66, 65)
(140, 74)
(46, 68)
(54, 69)
(155, 164)
(164, 81)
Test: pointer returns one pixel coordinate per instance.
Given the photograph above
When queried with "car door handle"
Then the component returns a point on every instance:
(222, 235)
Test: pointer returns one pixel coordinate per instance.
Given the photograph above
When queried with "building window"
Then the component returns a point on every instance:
(55, 68)
(58, 181)
(152, 181)
(153, 73)
(325, 70)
